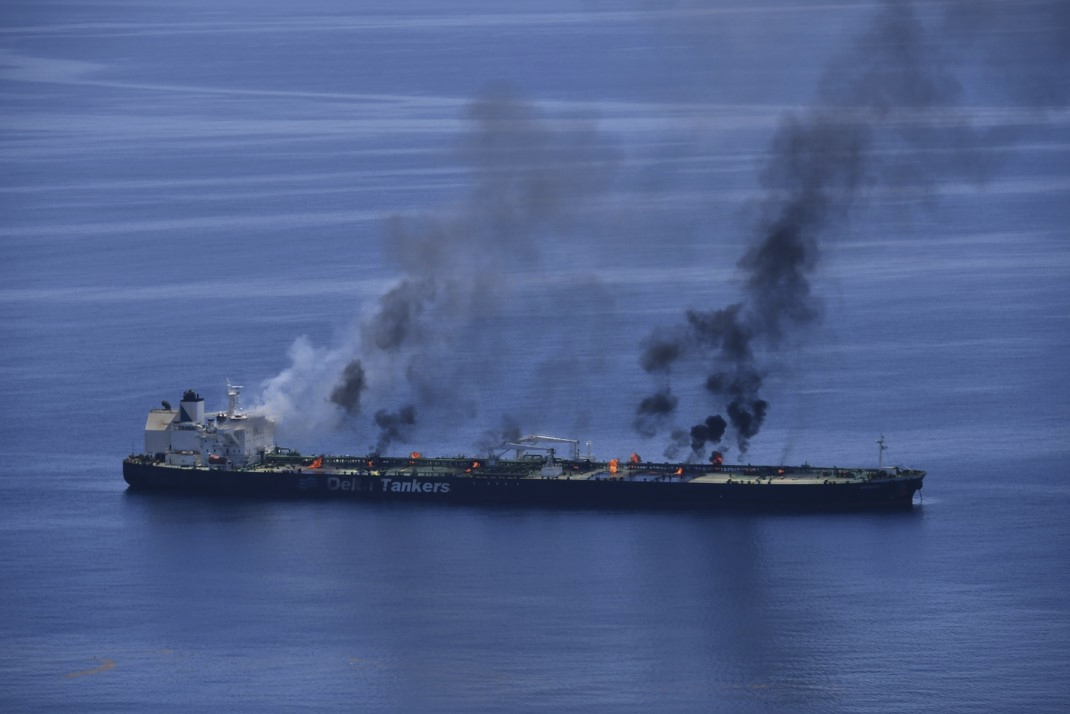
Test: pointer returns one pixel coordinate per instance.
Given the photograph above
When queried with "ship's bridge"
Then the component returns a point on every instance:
(185, 436)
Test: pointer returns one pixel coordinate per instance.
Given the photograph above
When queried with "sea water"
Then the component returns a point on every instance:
(189, 189)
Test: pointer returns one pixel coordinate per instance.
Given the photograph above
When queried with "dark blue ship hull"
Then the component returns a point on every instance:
(895, 492)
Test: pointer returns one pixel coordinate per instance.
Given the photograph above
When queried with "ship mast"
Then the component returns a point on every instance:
(881, 448)
(233, 395)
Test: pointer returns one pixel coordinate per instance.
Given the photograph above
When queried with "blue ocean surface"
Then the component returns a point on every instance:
(193, 192)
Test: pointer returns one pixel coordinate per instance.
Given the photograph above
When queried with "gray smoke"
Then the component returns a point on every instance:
(492, 439)
(530, 178)
(1023, 47)
(881, 100)
(394, 426)
(680, 445)
(350, 387)
(527, 177)
(653, 412)
(880, 93)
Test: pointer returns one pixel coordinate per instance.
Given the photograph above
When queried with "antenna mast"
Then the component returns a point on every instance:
(233, 395)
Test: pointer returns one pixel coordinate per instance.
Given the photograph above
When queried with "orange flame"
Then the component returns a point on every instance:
(416, 455)
(317, 464)
(679, 471)
(613, 466)
(635, 458)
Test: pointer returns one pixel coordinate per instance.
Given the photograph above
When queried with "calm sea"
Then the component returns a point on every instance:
(199, 191)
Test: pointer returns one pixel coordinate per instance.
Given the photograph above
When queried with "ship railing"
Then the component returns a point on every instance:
(400, 464)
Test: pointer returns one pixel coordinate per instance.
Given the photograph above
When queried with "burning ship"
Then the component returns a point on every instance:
(232, 453)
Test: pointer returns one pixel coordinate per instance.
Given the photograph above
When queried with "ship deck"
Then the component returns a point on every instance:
(595, 471)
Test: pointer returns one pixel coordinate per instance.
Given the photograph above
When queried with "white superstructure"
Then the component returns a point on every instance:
(186, 437)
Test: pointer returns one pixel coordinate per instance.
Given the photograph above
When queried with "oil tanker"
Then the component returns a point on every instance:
(232, 453)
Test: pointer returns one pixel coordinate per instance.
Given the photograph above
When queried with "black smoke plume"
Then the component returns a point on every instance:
(350, 386)
(709, 431)
(653, 411)
(394, 426)
(492, 439)
(820, 161)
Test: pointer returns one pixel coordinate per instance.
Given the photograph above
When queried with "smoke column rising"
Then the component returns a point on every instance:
(877, 93)
(882, 105)
(529, 176)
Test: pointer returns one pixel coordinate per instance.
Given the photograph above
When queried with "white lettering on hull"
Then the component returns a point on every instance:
(334, 483)
(415, 486)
